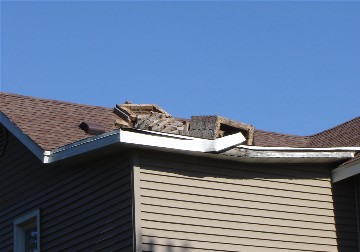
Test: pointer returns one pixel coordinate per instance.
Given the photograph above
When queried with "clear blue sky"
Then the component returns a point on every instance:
(286, 66)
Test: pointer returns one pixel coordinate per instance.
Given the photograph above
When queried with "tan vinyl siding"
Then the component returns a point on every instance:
(200, 205)
(83, 207)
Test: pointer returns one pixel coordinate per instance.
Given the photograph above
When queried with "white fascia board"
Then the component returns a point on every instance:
(300, 154)
(345, 171)
(261, 148)
(23, 138)
(160, 133)
(180, 143)
(147, 139)
(227, 142)
(82, 146)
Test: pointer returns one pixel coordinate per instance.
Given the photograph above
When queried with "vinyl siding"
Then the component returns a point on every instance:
(83, 207)
(347, 221)
(207, 205)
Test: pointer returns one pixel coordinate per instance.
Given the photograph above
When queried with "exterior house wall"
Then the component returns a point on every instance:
(83, 207)
(346, 210)
(196, 204)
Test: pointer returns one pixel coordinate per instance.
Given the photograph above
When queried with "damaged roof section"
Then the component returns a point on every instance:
(213, 127)
(152, 117)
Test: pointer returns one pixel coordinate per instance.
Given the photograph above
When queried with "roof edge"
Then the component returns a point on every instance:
(23, 138)
(184, 144)
(173, 143)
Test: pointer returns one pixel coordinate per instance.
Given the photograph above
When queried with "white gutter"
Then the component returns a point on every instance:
(145, 138)
(82, 146)
(260, 148)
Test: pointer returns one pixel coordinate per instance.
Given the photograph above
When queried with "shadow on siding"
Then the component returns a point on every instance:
(344, 194)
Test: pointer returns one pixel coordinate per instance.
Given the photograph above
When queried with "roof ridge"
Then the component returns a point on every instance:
(335, 127)
(51, 100)
(335, 135)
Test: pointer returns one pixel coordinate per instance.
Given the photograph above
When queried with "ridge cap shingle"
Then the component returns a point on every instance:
(51, 100)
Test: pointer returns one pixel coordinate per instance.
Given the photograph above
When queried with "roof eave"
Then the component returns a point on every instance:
(222, 148)
(25, 139)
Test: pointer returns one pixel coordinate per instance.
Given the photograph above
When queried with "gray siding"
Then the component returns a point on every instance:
(83, 207)
(201, 205)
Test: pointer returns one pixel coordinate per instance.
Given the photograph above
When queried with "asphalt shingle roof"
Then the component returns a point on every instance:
(52, 124)
(273, 139)
(345, 134)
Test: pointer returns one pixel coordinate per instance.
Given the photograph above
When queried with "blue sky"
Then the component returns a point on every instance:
(285, 66)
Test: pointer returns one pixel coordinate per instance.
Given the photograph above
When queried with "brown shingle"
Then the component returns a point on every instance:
(353, 160)
(273, 139)
(346, 134)
(51, 123)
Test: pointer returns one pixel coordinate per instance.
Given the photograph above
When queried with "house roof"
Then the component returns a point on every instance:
(274, 139)
(345, 134)
(52, 124)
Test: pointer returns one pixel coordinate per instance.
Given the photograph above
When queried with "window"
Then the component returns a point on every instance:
(27, 232)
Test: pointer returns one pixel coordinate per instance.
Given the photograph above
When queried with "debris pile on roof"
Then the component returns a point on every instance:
(152, 117)
(212, 127)
(129, 112)
(162, 123)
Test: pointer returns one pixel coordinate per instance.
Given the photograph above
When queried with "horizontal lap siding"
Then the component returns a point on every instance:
(83, 207)
(197, 205)
(346, 219)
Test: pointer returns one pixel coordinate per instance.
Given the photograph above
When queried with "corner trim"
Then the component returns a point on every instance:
(136, 203)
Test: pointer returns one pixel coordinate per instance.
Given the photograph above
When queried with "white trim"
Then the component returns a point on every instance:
(144, 138)
(136, 203)
(23, 223)
(82, 146)
(298, 149)
(345, 171)
(164, 134)
(184, 144)
(298, 154)
(26, 140)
